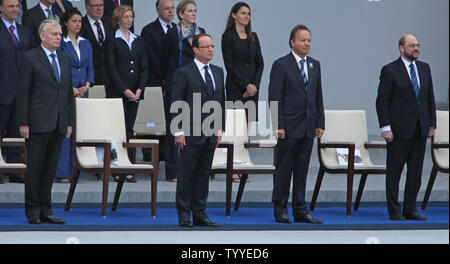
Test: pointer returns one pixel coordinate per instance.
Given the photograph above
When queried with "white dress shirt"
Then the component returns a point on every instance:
(305, 65)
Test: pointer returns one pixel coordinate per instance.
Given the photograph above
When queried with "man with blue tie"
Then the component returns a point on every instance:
(45, 116)
(14, 41)
(33, 17)
(295, 83)
(407, 116)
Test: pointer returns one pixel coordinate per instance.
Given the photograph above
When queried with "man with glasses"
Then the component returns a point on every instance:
(96, 27)
(407, 116)
(153, 34)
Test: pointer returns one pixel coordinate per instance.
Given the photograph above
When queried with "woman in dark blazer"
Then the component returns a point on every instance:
(242, 57)
(243, 61)
(126, 60)
(80, 52)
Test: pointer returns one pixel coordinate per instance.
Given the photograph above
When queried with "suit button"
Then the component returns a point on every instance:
(79, 69)
(132, 71)
(132, 62)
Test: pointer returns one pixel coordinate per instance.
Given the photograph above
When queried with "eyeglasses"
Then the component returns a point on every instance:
(96, 6)
(207, 47)
(413, 46)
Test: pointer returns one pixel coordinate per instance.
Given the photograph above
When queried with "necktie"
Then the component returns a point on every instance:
(168, 27)
(55, 66)
(209, 82)
(302, 69)
(116, 3)
(50, 13)
(101, 37)
(412, 71)
(11, 30)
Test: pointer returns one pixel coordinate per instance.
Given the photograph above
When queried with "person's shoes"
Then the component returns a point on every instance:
(185, 223)
(283, 218)
(397, 217)
(16, 179)
(51, 219)
(61, 180)
(130, 178)
(34, 220)
(415, 216)
(205, 222)
(307, 219)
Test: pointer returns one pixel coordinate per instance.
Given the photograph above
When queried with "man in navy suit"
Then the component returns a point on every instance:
(14, 41)
(33, 17)
(295, 83)
(154, 34)
(202, 80)
(407, 115)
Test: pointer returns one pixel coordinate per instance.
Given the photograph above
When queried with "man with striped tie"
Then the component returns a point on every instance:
(295, 83)
(407, 116)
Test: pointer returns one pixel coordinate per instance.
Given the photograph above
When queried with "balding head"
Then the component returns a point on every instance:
(409, 47)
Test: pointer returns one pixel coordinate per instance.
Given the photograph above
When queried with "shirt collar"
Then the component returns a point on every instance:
(43, 7)
(164, 24)
(79, 38)
(92, 21)
(407, 63)
(7, 24)
(47, 52)
(297, 58)
(200, 65)
(120, 35)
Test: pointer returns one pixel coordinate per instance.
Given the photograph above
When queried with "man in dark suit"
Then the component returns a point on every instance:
(33, 17)
(45, 115)
(97, 28)
(110, 5)
(407, 116)
(14, 41)
(154, 34)
(295, 83)
(197, 83)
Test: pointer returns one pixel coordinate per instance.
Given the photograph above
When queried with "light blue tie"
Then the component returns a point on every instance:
(50, 13)
(412, 71)
(55, 66)
(302, 70)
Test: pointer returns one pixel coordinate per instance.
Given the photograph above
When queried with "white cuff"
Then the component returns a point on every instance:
(180, 133)
(386, 129)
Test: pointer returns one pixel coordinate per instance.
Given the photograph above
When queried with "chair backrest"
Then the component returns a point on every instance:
(441, 136)
(344, 126)
(99, 119)
(97, 91)
(150, 118)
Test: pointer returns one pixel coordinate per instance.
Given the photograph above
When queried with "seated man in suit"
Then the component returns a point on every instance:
(45, 115)
(33, 17)
(197, 82)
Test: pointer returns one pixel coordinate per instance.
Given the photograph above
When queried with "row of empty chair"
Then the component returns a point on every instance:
(101, 121)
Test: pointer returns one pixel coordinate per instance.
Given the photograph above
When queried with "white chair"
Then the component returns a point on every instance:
(12, 167)
(439, 152)
(98, 123)
(97, 91)
(232, 155)
(346, 129)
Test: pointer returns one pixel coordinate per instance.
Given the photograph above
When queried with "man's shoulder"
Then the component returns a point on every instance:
(215, 67)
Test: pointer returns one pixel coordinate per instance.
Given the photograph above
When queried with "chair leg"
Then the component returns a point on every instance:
(433, 175)
(118, 192)
(317, 188)
(242, 183)
(349, 193)
(154, 191)
(228, 190)
(362, 183)
(213, 176)
(105, 193)
(73, 185)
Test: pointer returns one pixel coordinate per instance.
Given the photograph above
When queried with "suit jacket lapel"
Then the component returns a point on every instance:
(7, 33)
(405, 75)
(296, 70)
(199, 77)
(44, 60)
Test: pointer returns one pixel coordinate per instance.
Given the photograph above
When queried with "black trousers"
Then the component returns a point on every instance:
(43, 150)
(293, 156)
(130, 111)
(171, 151)
(193, 179)
(400, 152)
(10, 129)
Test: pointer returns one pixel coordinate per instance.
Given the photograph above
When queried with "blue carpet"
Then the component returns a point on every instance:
(138, 218)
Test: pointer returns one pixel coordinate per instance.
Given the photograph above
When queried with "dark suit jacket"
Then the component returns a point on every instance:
(153, 34)
(97, 49)
(397, 104)
(127, 69)
(42, 102)
(82, 69)
(32, 19)
(10, 60)
(187, 81)
(300, 110)
(242, 69)
(171, 54)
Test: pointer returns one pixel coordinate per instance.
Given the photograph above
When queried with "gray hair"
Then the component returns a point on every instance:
(88, 2)
(43, 26)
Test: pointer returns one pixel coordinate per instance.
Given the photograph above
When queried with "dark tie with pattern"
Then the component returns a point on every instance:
(55, 66)
(11, 30)
(101, 37)
(209, 82)
(414, 81)
(302, 70)
(50, 13)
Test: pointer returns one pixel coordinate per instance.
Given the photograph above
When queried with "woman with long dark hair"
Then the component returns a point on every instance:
(243, 60)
